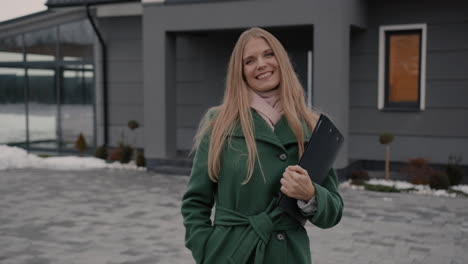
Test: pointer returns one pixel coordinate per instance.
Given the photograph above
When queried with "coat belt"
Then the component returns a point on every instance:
(258, 231)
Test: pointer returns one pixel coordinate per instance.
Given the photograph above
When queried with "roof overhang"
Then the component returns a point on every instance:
(70, 3)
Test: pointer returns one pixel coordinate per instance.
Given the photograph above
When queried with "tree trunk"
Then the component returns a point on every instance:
(387, 164)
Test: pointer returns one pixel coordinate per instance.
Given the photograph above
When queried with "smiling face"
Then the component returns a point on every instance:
(260, 67)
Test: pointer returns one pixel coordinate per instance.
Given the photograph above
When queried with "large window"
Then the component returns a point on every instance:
(402, 67)
(11, 49)
(41, 46)
(77, 106)
(77, 82)
(12, 91)
(42, 109)
(47, 87)
(12, 107)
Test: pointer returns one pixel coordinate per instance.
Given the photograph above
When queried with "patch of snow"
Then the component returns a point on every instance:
(461, 188)
(347, 184)
(18, 158)
(426, 190)
(402, 185)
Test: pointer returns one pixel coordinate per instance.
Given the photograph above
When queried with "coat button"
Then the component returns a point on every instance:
(280, 236)
(283, 156)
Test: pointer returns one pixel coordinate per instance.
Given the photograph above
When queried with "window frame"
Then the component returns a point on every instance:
(383, 91)
(57, 65)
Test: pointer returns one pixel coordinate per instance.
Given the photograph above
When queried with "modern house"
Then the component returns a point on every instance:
(90, 66)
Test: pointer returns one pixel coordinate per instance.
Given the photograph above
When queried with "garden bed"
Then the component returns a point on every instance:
(382, 185)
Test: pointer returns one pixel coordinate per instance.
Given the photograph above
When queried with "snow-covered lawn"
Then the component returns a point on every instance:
(411, 188)
(18, 158)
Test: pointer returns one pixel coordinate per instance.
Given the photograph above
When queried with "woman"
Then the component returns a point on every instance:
(246, 151)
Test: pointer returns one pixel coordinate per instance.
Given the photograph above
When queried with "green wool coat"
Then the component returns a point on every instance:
(248, 226)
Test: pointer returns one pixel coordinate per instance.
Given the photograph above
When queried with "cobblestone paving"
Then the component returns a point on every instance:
(133, 217)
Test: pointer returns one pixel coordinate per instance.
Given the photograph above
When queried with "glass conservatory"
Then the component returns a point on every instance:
(47, 87)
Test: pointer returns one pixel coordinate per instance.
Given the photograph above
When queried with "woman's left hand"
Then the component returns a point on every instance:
(296, 183)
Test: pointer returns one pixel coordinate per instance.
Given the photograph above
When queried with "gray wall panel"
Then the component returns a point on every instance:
(124, 71)
(201, 58)
(417, 11)
(159, 94)
(440, 94)
(200, 75)
(331, 58)
(448, 36)
(364, 67)
(403, 148)
(190, 88)
(121, 28)
(363, 42)
(363, 93)
(125, 50)
(188, 46)
(127, 92)
(189, 70)
(448, 94)
(185, 137)
(191, 93)
(120, 114)
(98, 94)
(188, 116)
(443, 121)
(432, 122)
(331, 75)
(124, 64)
(447, 65)
(130, 137)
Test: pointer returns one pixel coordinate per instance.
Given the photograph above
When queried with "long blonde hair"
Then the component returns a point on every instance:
(236, 105)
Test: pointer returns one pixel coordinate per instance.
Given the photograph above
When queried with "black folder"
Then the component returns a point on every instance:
(317, 160)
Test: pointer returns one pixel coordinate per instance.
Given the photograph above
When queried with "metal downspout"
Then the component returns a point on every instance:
(104, 77)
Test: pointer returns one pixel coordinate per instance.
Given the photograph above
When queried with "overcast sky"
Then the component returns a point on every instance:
(10, 9)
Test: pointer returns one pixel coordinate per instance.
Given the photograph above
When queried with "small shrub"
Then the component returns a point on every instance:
(454, 173)
(80, 144)
(419, 162)
(114, 154)
(132, 124)
(419, 171)
(439, 181)
(386, 138)
(140, 159)
(101, 152)
(380, 188)
(126, 153)
(359, 177)
(454, 170)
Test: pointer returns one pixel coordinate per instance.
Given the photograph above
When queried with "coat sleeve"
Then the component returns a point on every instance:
(329, 203)
(197, 203)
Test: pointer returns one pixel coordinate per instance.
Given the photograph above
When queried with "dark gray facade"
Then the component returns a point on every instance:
(201, 65)
(442, 128)
(167, 64)
(331, 24)
(122, 36)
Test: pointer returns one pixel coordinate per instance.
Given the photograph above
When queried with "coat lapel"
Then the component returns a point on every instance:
(283, 135)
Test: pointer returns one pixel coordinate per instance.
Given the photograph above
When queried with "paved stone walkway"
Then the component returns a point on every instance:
(132, 217)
